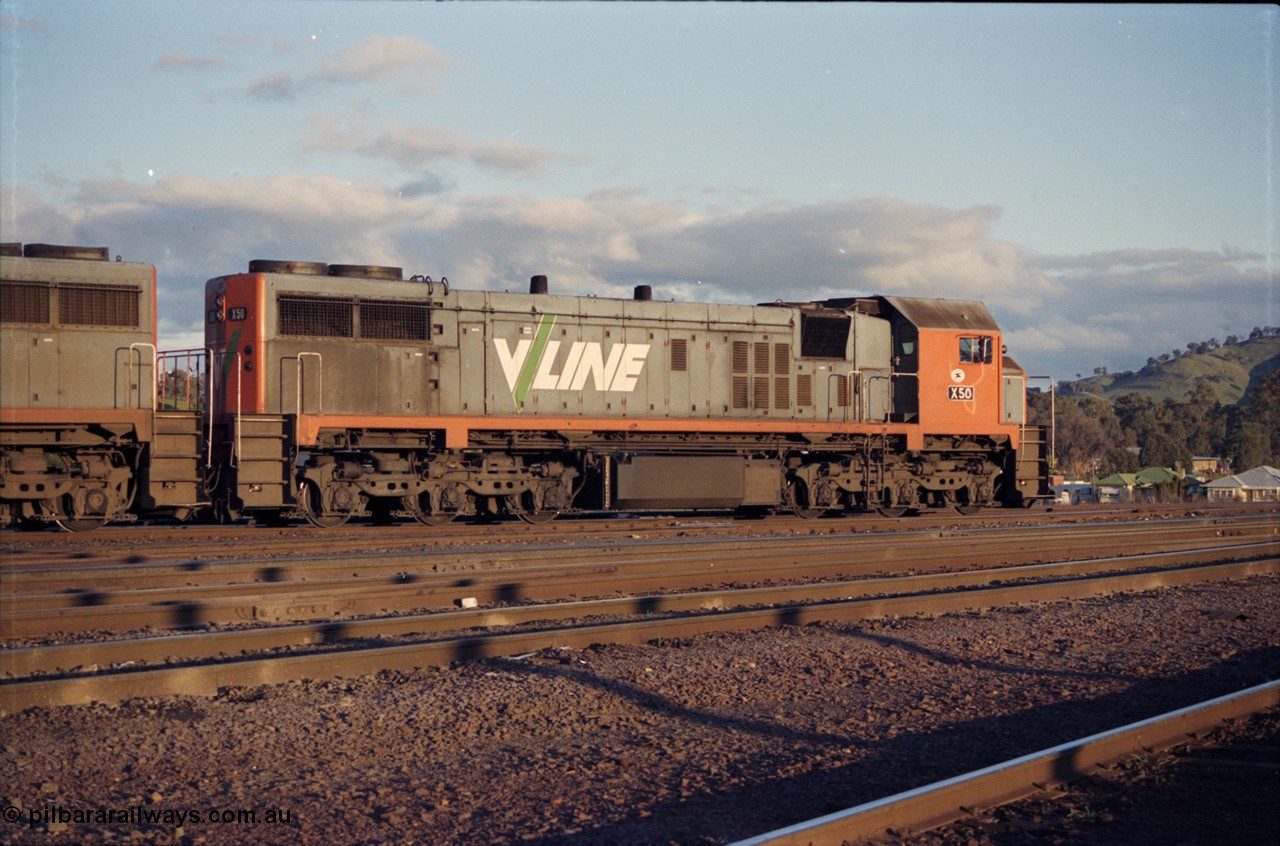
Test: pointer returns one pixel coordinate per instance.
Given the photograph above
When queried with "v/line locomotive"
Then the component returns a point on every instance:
(332, 392)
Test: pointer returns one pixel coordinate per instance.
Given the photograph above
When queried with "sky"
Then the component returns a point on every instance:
(1102, 177)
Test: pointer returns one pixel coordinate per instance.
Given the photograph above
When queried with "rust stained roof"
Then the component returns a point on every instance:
(945, 314)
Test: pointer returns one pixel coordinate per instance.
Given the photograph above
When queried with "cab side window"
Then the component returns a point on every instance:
(976, 350)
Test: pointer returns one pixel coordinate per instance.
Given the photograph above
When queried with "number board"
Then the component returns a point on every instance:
(960, 393)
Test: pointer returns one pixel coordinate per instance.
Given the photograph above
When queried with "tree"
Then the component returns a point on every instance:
(1119, 460)
(1247, 445)
(1162, 450)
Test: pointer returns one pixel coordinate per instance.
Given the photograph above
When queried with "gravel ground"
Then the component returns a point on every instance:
(684, 742)
(1224, 793)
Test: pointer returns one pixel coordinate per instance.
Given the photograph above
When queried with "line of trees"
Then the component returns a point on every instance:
(1095, 437)
(1154, 363)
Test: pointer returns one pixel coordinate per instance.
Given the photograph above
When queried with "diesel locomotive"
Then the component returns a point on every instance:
(84, 436)
(331, 392)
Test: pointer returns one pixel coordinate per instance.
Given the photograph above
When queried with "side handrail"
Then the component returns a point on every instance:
(300, 371)
(202, 373)
(888, 408)
(1053, 418)
(139, 347)
(855, 393)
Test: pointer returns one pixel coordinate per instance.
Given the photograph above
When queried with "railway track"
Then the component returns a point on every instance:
(952, 799)
(134, 544)
(47, 600)
(791, 607)
(665, 724)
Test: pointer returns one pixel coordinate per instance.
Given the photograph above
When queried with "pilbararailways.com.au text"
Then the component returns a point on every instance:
(138, 815)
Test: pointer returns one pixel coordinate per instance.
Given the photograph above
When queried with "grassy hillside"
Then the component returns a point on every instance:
(1230, 371)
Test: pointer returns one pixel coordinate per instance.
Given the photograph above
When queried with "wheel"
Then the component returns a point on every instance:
(419, 505)
(896, 511)
(85, 512)
(801, 501)
(967, 510)
(527, 512)
(312, 500)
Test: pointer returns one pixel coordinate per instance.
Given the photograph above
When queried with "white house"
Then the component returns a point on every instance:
(1261, 484)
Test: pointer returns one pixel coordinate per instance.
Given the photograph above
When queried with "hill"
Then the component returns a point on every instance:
(1231, 370)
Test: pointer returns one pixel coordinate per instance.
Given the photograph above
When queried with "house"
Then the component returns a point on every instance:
(1074, 493)
(1261, 484)
(1153, 484)
(1118, 487)
(1209, 465)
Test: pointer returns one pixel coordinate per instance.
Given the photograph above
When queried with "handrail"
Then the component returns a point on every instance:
(854, 391)
(128, 396)
(203, 357)
(888, 408)
(1053, 418)
(300, 371)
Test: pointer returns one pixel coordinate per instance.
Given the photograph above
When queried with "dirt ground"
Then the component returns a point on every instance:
(695, 741)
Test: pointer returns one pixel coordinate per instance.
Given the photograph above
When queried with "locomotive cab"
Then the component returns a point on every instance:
(947, 366)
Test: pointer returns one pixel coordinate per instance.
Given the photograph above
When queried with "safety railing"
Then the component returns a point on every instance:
(852, 382)
(182, 382)
(1053, 418)
(136, 379)
(300, 375)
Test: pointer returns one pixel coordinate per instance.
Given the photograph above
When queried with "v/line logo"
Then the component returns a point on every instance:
(532, 365)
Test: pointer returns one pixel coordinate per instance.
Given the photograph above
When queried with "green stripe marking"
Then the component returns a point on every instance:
(228, 363)
(530, 368)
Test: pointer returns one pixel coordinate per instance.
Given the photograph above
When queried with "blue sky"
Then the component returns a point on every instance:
(1104, 177)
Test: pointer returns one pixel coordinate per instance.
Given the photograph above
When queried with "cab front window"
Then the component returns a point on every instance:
(976, 350)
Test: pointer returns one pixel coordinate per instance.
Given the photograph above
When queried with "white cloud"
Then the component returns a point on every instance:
(182, 62)
(1061, 315)
(415, 147)
(411, 62)
(381, 57)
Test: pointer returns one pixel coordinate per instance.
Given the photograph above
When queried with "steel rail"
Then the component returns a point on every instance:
(206, 679)
(151, 557)
(945, 801)
(340, 570)
(123, 541)
(34, 615)
(25, 661)
(347, 565)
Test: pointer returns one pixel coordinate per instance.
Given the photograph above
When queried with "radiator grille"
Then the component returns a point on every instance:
(679, 355)
(781, 359)
(98, 305)
(804, 389)
(761, 358)
(24, 302)
(326, 317)
(760, 394)
(781, 392)
(394, 321)
(740, 357)
(842, 392)
(740, 392)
